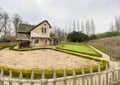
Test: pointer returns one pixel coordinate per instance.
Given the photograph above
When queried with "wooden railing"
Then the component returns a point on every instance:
(107, 77)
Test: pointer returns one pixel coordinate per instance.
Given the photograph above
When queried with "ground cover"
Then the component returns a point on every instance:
(102, 47)
(81, 48)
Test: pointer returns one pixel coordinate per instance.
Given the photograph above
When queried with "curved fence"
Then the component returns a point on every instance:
(107, 77)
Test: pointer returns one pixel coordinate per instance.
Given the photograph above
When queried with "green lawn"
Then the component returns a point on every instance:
(80, 49)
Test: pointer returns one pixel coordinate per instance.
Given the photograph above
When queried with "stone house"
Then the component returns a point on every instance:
(35, 36)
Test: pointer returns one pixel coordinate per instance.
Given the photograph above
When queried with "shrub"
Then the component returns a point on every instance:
(7, 39)
(49, 73)
(77, 37)
(2, 46)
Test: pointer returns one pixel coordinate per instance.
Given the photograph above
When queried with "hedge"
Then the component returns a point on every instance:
(2, 46)
(49, 73)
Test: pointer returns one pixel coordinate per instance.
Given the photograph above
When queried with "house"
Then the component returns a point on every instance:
(35, 36)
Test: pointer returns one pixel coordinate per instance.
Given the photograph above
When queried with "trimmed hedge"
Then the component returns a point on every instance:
(2, 46)
(49, 73)
(97, 53)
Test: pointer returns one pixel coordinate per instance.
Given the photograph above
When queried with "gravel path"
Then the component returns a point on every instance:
(114, 64)
(41, 59)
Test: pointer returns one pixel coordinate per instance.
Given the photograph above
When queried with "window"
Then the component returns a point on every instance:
(36, 41)
(43, 30)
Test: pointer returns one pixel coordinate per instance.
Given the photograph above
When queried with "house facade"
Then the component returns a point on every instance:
(36, 36)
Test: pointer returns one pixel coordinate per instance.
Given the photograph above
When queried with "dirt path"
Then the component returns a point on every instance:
(114, 64)
(41, 59)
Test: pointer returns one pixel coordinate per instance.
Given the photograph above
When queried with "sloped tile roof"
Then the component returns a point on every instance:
(25, 28)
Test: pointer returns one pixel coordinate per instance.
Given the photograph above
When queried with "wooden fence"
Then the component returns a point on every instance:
(107, 77)
(115, 53)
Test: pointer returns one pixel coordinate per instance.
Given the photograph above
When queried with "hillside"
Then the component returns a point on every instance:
(111, 41)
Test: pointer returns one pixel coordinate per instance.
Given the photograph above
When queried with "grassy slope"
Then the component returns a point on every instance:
(101, 47)
(80, 48)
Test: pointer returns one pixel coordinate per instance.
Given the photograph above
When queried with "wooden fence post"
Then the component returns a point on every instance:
(54, 77)
(95, 82)
(91, 77)
(83, 73)
(106, 73)
(110, 53)
(32, 77)
(2, 75)
(99, 75)
(20, 77)
(10, 76)
(113, 74)
(87, 82)
(110, 81)
(74, 79)
(119, 73)
(44, 82)
(65, 81)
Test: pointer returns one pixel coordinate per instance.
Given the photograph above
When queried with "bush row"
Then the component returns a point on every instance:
(79, 55)
(49, 73)
(2, 46)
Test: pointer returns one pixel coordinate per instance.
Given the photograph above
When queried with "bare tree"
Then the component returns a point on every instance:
(92, 28)
(1, 20)
(117, 23)
(87, 26)
(5, 23)
(74, 26)
(16, 21)
(59, 32)
(78, 26)
(112, 28)
(82, 27)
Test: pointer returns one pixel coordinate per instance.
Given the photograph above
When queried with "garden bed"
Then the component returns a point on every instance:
(81, 48)
(49, 73)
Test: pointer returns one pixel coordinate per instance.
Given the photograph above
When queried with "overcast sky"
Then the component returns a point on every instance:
(63, 12)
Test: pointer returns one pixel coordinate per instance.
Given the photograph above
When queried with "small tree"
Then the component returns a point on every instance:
(93, 37)
(77, 37)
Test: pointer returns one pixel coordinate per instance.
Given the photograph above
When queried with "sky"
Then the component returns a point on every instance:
(63, 13)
